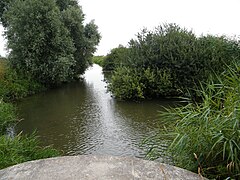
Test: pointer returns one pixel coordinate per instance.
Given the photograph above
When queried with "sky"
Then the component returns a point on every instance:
(120, 20)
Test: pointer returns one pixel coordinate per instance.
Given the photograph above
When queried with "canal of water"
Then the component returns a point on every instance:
(83, 118)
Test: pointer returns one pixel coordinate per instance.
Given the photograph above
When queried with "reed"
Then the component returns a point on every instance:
(206, 135)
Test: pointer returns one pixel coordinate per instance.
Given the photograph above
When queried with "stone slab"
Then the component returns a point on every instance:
(89, 167)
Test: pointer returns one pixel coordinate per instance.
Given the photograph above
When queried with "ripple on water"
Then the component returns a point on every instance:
(82, 118)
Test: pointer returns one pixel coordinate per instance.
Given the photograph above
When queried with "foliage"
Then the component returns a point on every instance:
(41, 46)
(4, 6)
(189, 60)
(15, 86)
(117, 57)
(92, 39)
(7, 116)
(64, 4)
(2, 67)
(85, 38)
(98, 60)
(127, 83)
(48, 39)
(22, 148)
(207, 134)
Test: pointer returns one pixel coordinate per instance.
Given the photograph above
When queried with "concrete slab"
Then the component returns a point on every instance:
(89, 167)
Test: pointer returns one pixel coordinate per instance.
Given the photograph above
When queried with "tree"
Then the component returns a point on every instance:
(92, 38)
(85, 38)
(40, 43)
(64, 4)
(4, 6)
(48, 39)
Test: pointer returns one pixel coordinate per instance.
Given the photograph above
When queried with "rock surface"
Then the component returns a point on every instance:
(95, 168)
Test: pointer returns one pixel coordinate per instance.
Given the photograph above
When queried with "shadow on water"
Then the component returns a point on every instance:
(82, 118)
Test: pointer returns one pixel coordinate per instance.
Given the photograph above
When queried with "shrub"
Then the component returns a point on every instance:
(187, 59)
(116, 58)
(137, 84)
(126, 84)
(157, 82)
(15, 85)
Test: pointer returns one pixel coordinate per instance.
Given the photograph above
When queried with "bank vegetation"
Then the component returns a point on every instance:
(49, 44)
(204, 71)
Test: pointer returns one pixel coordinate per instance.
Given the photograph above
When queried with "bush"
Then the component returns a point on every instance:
(136, 84)
(126, 84)
(187, 59)
(206, 135)
(116, 58)
(157, 82)
(15, 85)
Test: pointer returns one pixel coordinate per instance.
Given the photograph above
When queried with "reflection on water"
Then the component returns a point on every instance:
(82, 118)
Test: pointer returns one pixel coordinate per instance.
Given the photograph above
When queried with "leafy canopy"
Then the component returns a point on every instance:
(48, 39)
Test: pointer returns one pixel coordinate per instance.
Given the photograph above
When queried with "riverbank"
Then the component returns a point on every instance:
(17, 148)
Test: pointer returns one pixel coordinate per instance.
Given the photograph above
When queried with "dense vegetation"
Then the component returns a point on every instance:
(207, 134)
(171, 61)
(14, 86)
(48, 39)
(168, 61)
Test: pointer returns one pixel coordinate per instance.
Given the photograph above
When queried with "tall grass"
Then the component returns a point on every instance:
(22, 148)
(7, 116)
(207, 134)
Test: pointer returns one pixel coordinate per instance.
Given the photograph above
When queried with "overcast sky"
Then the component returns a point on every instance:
(121, 20)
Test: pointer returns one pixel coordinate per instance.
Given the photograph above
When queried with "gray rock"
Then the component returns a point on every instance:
(95, 168)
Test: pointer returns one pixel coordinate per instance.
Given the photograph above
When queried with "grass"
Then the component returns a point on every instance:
(206, 135)
(22, 148)
(7, 116)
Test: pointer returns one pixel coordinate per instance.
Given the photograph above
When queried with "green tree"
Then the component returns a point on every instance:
(64, 4)
(40, 43)
(4, 6)
(47, 39)
(85, 38)
(92, 38)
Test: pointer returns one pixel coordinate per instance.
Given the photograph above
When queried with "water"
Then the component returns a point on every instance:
(83, 118)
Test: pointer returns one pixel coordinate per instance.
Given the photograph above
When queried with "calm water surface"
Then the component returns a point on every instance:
(83, 118)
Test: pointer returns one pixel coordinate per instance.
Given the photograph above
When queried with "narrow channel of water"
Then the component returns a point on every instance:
(83, 118)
